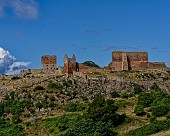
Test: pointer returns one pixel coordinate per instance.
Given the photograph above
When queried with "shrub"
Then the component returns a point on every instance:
(124, 95)
(28, 123)
(90, 64)
(54, 86)
(16, 119)
(139, 110)
(159, 110)
(114, 94)
(153, 119)
(39, 88)
(137, 89)
(84, 98)
(39, 105)
(72, 107)
(145, 99)
(155, 87)
(149, 129)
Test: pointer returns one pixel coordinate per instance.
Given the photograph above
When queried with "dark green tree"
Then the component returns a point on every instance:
(91, 64)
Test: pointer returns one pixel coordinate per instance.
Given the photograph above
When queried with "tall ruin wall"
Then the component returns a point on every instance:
(133, 60)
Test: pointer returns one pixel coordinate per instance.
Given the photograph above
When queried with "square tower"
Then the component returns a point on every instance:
(48, 64)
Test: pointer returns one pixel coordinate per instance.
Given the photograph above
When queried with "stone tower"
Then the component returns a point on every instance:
(48, 64)
(70, 65)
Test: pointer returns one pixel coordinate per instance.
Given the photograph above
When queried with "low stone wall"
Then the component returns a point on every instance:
(157, 65)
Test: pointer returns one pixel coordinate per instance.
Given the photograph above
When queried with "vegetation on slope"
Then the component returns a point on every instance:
(99, 119)
(62, 110)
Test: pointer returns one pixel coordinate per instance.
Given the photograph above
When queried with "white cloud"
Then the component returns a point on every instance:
(27, 9)
(8, 65)
(168, 64)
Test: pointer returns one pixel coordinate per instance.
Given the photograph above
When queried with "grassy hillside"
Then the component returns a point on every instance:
(57, 106)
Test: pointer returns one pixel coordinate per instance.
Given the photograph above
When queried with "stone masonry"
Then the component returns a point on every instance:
(70, 65)
(133, 61)
(48, 64)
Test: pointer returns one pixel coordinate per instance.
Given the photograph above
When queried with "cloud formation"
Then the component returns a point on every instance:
(26, 9)
(8, 65)
(167, 64)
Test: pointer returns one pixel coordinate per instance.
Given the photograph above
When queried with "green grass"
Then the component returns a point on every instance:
(59, 125)
(151, 128)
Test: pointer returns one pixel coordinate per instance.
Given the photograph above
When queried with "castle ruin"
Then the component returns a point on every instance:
(120, 61)
(133, 61)
(70, 65)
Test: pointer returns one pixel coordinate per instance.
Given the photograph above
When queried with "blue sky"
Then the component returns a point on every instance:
(90, 29)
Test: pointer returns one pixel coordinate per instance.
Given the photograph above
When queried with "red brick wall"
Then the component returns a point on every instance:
(157, 65)
(138, 65)
(116, 56)
(48, 60)
(116, 65)
(83, 67)
(137, 56)
(70, 66)
(136, 60)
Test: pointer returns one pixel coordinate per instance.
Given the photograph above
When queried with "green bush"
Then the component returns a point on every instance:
(149, 129)
(84, 98)
(153, 119)
(139, 110)
(90, 64)
(54, 86)
(124, 95)
(114, 94)
(145, 99)
(159, 110)
(39, 105)
(73, 107)
(16, 119)
(137, 89)
(155, 87)
(99, 120)
(39, 88)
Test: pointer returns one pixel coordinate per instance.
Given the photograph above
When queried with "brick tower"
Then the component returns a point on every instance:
(48, 64)
(70, 65)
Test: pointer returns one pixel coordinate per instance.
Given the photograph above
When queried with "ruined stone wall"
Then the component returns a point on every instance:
(137, 60)
(133, 60)
(138, 65)
(83, 67)
(70, 65)
(117, 61)
(116, 66)
(157, 65)
(137, 56)
(48, 64)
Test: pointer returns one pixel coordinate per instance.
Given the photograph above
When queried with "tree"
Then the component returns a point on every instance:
(159, 110)
(101, 110)
(145, 99)
(90, 64)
